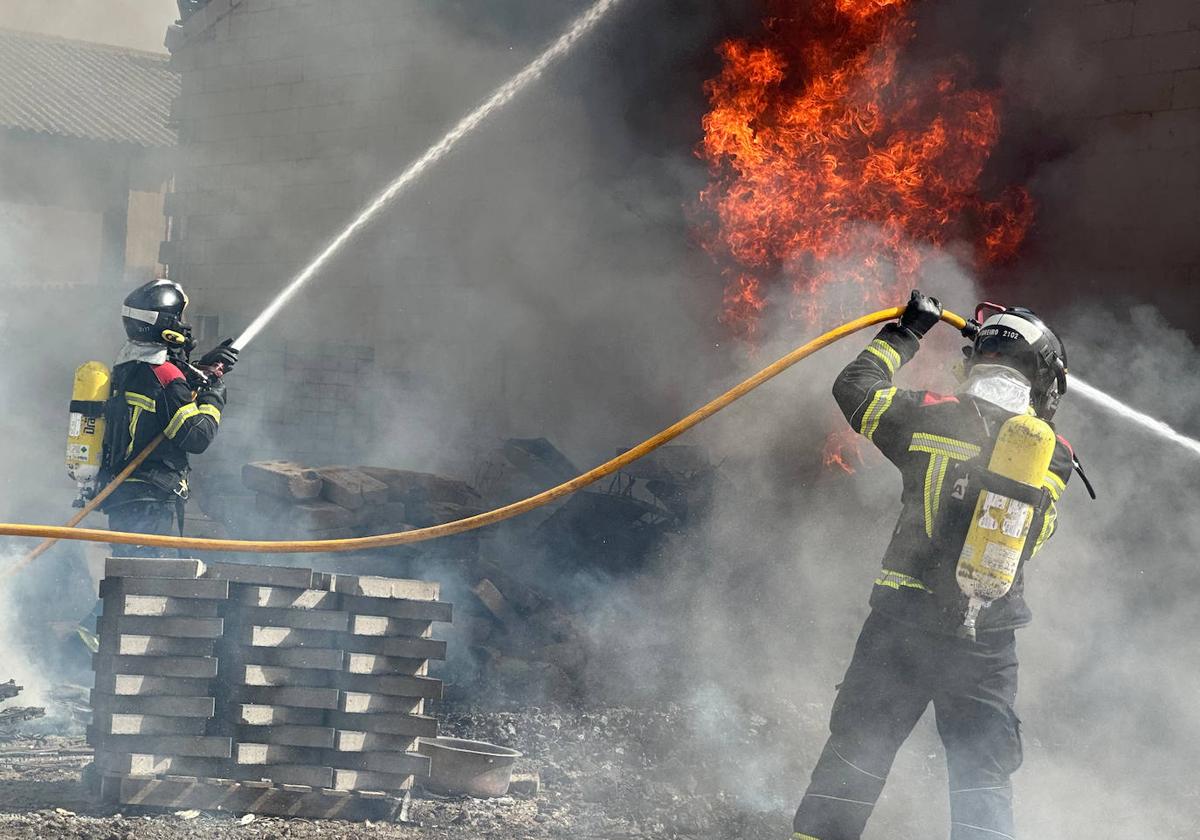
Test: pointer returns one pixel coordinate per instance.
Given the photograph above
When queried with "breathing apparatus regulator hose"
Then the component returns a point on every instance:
(470, 523)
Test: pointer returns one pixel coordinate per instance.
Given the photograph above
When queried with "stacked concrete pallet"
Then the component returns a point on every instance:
(261, 688)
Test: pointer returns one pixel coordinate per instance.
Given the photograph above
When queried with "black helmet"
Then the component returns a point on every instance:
(154, 313)
(1019, 339)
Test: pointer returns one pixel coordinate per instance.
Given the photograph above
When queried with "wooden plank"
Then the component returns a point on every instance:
(173, 628)
(361, 702)
(371, 663)
(367, 586)
(399, 608)
(279, 597)
(252, 714)
(243, 797)
(197, 746)
(414, 648)
(423, 687)
(413, 726)
(172, 587)
(129, 685)
(393, 763)
(128, 644)
(366, 780)
(190, 667)
(141, 724)
(157, 567)
(348, 740)
(301, 698)
(316, 737)
(159, 605)
(183, 707)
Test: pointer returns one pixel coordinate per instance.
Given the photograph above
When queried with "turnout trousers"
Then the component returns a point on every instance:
(145, 516)
(897, 670)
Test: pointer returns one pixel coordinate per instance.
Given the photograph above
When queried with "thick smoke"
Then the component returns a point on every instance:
(128, 23)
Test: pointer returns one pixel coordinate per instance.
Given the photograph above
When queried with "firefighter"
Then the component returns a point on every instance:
(157, 391)
(910, 652)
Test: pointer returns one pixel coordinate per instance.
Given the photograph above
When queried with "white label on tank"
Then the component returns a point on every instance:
(76, 425)
(1016, 522)
(1001, 558)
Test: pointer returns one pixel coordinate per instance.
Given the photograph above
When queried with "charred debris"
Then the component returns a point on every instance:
(519, 632)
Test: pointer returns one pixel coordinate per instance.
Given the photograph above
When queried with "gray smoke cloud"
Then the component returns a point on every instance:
(128, 23)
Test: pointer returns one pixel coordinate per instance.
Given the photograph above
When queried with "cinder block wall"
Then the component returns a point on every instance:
(1121, 212)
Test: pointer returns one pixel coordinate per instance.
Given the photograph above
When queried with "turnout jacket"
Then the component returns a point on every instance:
(148, 400)
(934, 440)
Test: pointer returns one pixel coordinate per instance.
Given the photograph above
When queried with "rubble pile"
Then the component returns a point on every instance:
(11, 715)
(262, 689)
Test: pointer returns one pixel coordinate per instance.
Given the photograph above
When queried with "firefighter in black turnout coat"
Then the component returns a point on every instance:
(156, 390)
(910, 652)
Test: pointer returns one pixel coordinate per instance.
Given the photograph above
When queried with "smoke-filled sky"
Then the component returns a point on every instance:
(545, 282)
(140, 24)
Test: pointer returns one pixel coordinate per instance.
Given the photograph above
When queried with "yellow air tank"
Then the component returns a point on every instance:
(1000, 525)
(85, 433)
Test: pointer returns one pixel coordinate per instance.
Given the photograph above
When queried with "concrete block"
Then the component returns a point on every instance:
(378, 625)
(350, 488)
(281, 637)
(173, 628)
(182, 707)
(404, 485)
(290, 696)
(284, 479)
(395, 763)
(147, 764)
(130, 567)
(381, 587)
(423, 610)
(422, 687)
(129, 685)
(158, 605)
(411, 648)
(370, 663)
(124, 644)
(250, 714)
(286, 576)
(361, 702)
(319, 516)
(412, 726)
(1175, 51)
(190, 667)
(269, 676)
(197, 746)
(365, 780)
(280, 598)
(350, 741)
(330, 621)
(1146, 93)
(288, 735)
(324, 659)
(250, 753)
(217, 590)
(1153, 17)
(289, 774)
(1106, 21)
(1186, 92)
(142, 724)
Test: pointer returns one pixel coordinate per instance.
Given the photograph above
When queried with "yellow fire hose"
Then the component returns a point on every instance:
(53, 533)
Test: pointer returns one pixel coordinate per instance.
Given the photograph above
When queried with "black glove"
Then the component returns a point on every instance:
(212, 392)
(921, 313)
(224, 354)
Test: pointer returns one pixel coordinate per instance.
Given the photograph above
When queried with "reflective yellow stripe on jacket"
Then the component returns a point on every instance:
(886, 353)
(899, 580)
(880, 403)
(941, 451)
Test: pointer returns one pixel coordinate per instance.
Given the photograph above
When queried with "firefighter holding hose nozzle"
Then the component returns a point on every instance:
(156, 390)
(982, 471)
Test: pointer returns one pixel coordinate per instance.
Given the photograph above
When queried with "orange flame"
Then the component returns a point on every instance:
(831, 166)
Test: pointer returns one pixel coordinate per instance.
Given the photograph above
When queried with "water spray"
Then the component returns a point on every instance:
(1114, 406)
(466, 126)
